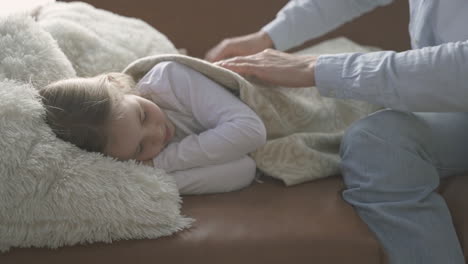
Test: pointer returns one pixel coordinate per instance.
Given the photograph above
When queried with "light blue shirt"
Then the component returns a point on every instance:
(431, 77)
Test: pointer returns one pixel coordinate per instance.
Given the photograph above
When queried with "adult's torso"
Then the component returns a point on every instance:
(434, 22)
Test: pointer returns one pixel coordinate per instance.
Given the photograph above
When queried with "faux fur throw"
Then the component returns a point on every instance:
(52, 193)
(304, 129)
(97, 41)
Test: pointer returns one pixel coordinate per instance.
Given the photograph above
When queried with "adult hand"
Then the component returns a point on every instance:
(275, 67)
(240, 46)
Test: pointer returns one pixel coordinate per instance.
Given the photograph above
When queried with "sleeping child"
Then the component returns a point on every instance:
(174, 118)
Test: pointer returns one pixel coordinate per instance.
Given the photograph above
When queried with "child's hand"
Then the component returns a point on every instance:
(148, 163)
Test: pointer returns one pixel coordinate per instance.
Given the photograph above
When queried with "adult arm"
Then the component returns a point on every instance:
(431, 79)
(302, 20)
(295, 23)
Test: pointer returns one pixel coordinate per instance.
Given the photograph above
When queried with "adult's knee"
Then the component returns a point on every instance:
(386, 149)
(385, 124)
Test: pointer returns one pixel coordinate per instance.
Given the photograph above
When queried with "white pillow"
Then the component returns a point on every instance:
(52, 193)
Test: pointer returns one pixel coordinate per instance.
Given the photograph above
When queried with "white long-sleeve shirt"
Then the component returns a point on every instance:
(214, 130)
(432, 77)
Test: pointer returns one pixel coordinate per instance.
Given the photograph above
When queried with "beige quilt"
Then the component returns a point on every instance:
(304, 130)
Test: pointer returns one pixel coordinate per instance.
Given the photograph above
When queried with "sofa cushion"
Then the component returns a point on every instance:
(265, 223)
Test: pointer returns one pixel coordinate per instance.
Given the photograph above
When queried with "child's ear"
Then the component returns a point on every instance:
(110, 77)
(115, 76)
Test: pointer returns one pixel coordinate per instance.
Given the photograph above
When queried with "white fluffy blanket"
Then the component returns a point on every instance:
(52, 193)
(304, 129)
(97, 41)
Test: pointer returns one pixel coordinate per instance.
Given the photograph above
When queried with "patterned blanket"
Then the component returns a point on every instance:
(304, 130)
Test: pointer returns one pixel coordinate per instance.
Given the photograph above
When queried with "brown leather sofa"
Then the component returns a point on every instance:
(267, 222)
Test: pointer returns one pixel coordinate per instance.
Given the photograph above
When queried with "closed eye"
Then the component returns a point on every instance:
(142, 114)
(140, 149)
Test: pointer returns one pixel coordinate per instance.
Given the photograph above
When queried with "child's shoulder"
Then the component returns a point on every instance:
(175, 73)
(170, 67)
(167, 77)
(161, 73)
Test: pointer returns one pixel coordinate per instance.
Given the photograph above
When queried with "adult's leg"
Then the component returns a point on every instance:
(392, 163)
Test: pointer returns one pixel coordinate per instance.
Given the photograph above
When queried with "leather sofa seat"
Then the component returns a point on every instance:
(265, 223)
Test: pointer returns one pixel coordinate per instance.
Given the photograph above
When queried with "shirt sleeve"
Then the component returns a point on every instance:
(230, 176)
(431, 79)
(302, 20)
(232, 128)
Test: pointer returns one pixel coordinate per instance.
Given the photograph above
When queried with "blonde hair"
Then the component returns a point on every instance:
(78, 110)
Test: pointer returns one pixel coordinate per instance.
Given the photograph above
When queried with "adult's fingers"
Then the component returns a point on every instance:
(243, 68)
(259, 60)
(239, 46)
(220, 51)
(275, 67)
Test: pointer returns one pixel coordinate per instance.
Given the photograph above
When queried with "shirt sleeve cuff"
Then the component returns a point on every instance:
(328, 75)
(276, 30)
(159, 163)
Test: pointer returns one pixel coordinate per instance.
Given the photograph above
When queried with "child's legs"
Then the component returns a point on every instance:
(391, 164)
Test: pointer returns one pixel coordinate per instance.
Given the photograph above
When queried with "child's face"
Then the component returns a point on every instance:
(141, 132)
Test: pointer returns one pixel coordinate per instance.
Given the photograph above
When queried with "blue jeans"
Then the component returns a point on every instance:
(392, 162)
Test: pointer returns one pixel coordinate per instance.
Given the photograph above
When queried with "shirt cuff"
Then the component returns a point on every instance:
(328, 75)
(159, 163)
(276, 30)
